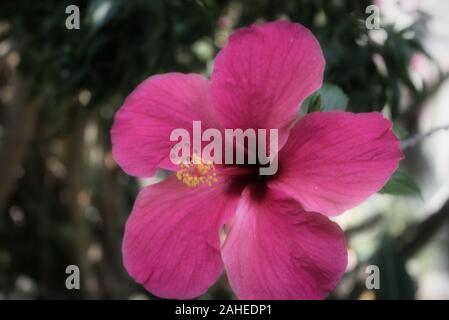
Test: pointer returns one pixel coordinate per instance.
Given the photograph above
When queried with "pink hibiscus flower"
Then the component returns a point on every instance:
(279, 242)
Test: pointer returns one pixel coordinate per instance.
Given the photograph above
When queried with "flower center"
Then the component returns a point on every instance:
(196, 171)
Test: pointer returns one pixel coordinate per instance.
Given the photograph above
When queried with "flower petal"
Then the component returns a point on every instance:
(171, 244)
(276, 250)
(264, 73)
(333, 161)
(142, 127)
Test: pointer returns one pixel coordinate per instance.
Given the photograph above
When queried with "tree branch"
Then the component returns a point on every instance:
(421, 233)
(367, 224)
(414, 239)
(412, 141)
(18, 131)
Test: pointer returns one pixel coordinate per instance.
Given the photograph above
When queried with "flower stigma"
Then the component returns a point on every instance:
(196, 171)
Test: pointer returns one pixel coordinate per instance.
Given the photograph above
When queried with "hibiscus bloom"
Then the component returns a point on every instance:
(279, 242)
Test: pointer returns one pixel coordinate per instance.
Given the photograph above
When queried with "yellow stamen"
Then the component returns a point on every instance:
(196, 172)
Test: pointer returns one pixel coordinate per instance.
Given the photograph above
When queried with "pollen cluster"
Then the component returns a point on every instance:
(196, 172)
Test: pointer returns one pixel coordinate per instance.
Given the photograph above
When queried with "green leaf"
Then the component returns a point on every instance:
(314, 103)
(328, 98)
(400, 131)
(401, 184)
(332, 98)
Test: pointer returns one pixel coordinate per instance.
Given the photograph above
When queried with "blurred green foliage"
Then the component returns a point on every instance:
(122, 42)
(401, 184)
